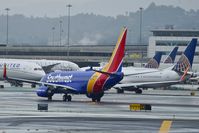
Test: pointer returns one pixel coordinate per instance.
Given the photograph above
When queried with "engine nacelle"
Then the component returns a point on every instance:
(95, 95)
(42, 91)
(193, 75)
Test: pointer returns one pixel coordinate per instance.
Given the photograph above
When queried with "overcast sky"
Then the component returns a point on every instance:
(54, 8)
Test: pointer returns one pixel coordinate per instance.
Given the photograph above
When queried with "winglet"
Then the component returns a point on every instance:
(4, 71)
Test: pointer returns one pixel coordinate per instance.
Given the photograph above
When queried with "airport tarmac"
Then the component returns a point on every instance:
(18, 112)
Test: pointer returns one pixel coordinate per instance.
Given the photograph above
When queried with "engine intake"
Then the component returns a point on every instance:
(42, 91)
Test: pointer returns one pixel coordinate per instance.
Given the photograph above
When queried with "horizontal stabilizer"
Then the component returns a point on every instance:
(107, 73)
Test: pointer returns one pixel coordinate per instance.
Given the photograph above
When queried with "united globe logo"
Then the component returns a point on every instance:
(182, 64)
(152, 64)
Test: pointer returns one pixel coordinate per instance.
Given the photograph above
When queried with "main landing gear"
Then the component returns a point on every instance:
(138, 91)
(50, 94)
(67, 98)
(120, 91)
(49, 98)
(96, 99)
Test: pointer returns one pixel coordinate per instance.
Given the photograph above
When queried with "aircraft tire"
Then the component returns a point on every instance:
(138, 91)
(93, 99)
(64, 98)
(49, 98)
(69, 98)
(120, 91)
(98, 99)
(33, 85)
(50, 94)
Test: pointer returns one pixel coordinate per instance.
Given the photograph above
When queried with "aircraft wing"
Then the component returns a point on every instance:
(10, 79)
(146, 84)
(48, 68)
(130, 74)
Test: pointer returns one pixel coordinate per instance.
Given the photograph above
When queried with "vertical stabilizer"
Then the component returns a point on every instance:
(115, 62)
(4, 71)
(99, 79)
(171, 57)
(186, 59)
(155, 61)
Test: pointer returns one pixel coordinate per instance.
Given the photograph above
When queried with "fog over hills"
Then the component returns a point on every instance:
(95, 29)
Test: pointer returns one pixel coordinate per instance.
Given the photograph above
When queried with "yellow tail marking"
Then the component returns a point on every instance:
(165, 127)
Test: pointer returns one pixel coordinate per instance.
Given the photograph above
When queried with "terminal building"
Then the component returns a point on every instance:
(164, 40)
(83, 55)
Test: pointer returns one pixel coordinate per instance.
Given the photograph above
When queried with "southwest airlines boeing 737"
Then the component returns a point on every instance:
(92, 83)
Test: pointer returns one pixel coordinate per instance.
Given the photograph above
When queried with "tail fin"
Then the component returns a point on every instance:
(171, 57)
(4, 71)
(155, 61)
(186, 59)
(115, 62)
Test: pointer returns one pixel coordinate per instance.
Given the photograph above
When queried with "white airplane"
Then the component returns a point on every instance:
(158, 78)
(21, 69)
(50, 65)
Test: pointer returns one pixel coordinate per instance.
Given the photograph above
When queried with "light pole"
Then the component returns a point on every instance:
(7, 10)
(141, 36)
(53, 36)
(141, 25)
(68, 6)
(60, 35)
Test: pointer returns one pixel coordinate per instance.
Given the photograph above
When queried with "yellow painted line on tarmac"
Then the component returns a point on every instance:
(165, 127)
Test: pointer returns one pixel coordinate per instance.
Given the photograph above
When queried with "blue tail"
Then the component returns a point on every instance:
(155, 61)
(171, 57)
(186, 59)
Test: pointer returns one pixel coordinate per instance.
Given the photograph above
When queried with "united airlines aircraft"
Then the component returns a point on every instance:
(21, 69)
(159, 78)
(49, 65)
(171, 57)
